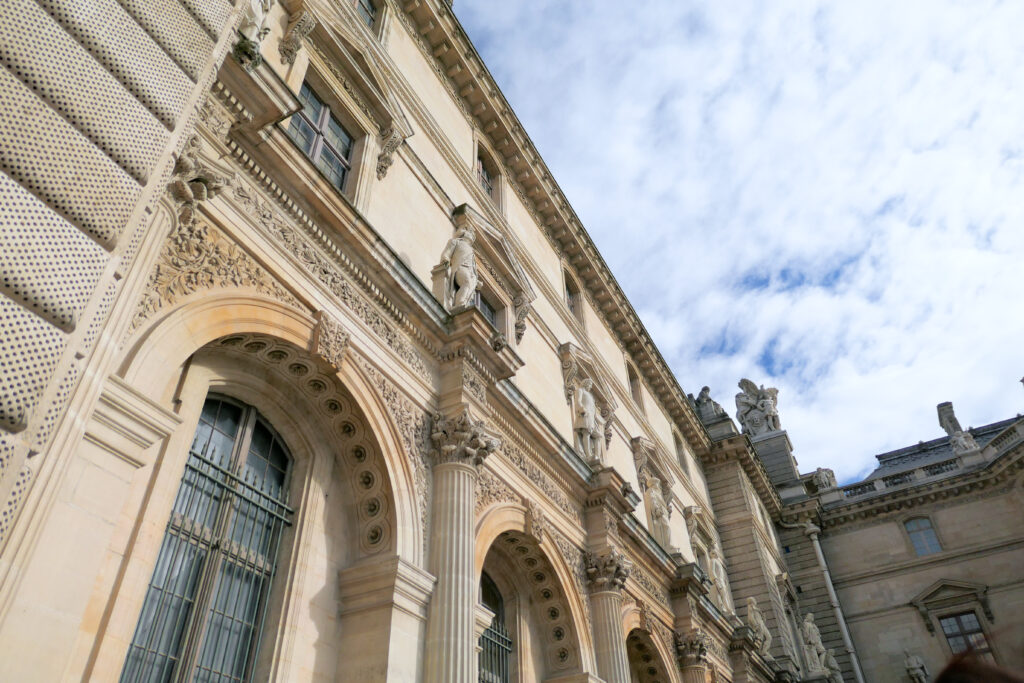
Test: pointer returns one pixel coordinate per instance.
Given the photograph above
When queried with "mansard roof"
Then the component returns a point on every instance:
(931, 452)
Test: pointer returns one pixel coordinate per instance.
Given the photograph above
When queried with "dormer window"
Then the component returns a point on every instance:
(367, 12)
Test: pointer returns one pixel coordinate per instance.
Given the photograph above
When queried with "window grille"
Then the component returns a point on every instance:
(321, 137)
(204, 610)
(495, 654)
(922, 535)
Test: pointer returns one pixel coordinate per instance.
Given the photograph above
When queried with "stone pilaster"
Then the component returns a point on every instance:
(460, 445)
(692, 656)
(606, 574)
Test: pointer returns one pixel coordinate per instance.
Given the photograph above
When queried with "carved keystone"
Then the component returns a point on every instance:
(330, 340)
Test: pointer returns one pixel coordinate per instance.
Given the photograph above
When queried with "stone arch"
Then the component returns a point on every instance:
(156, 352)
(540, 571)
(649, 662)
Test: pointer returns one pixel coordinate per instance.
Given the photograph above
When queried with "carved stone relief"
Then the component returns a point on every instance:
(391, 140)
(460, 439)
(330, 339)
(198, 256)
(300, 25)
(608, 570)
(329, 274)
(490, 490)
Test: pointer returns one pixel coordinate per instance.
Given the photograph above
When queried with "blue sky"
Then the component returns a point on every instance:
(826, 197)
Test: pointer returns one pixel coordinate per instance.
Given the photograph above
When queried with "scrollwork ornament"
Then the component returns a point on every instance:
(392, 139)
(331, 340)
(300, 25)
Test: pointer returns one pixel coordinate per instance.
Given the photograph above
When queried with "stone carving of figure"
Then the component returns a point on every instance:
(812, 645)
(961, 441)
(835, 674)
(824, 479)
(916, 669)
(588, 436)
(707, 407)
(253, 29)
(756, 409)
(459, 259)
(719, 576)
(757, 624)
(659, 513)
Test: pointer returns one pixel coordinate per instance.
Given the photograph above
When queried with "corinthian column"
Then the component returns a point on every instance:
(692, 655)
(607, 573)
(460, 445)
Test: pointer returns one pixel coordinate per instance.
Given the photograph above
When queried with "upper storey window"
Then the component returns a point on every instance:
(484, 175)
(922, 535)
(963, 632)
(573, 298)
(321, 137)
(634, 386)
(367, 12)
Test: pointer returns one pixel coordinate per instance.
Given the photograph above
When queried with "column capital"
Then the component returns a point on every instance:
(692, 650)
(460, 439)
(608, 570)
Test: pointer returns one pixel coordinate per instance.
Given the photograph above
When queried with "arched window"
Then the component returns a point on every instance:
(495, 643)
(922, 536)
(203, 613)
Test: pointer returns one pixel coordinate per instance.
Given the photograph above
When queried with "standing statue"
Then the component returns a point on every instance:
(835, 674)
(251, 33)
(659, 513)
(461, 281)
(588, 441)
(812, 645)
(756, 409)
(757, 624)
(916, 669)
(720, 580)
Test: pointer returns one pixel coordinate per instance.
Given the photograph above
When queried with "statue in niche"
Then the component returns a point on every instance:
(459, 260)
(719, 579)
(757, 624)
(824, 479)
(588, 435)
(812, 645)
(756, 409)
(707, 407)
(916, 669)
(659, 514)
(835, 674)
(961, 441)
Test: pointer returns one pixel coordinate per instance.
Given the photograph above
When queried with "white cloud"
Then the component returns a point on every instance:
(821, 196)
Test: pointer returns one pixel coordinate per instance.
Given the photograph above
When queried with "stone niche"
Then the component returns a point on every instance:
(593, 407)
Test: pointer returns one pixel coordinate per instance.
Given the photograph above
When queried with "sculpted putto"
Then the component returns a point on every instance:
(756, 409)
(461, 281)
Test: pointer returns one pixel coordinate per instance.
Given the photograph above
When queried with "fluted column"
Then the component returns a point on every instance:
(692, 656)
(607, 573)
(460, 445)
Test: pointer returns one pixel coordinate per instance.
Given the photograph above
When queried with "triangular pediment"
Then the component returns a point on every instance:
(948, 590)
(497, 254)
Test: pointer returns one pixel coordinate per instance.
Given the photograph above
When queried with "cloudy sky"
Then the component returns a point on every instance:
(826, 197)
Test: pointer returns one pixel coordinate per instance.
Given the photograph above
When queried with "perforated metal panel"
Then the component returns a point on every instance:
(46, 264)
(77, 86)
(59, 165)
(175, 30)
(117, 42)
(212, 14)
(30, 351)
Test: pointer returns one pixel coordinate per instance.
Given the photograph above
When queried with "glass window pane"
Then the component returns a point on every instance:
(957, 644)
(311, 104)
(302, 133)
(367, 11)
(228, 419)
(949, 626)
(261, 440)
(229, 630)
(332, 167)
(338, 137)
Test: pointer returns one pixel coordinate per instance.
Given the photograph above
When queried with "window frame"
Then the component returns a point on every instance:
(330, 110)
(573, 297)
(635, 386)
(988, 653)
(485, 160)
(199, 615)
(911, 535)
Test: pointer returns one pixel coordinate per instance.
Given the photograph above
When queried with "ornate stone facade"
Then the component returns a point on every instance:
(423, 443)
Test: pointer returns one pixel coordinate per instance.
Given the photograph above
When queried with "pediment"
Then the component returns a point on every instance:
(496, 254)
(361, 76)
(578, 365)
(947, 590)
